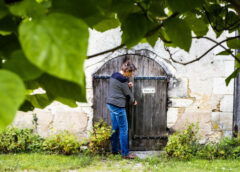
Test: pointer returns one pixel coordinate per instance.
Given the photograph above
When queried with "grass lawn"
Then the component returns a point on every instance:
(42, 162)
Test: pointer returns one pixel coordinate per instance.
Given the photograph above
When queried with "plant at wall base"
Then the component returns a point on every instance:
(43, 43)
(183, 145)
(208, 151)
(99, 138)
(62, 143)
(14, 140)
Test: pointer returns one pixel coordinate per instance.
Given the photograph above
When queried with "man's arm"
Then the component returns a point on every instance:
(127, 92)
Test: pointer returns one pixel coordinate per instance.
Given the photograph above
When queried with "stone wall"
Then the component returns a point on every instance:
(197, 91)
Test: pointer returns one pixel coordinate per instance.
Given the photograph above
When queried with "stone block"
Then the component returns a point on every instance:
(23, 120)
(44, 122)
(215, 120)
(215, 102)
(227, 133)
(202, 118)
(222, 121)
(228, 67)
(226, 104)
(219, 86)
(226, 120)
(75, 122)
(179, 88)
(181, 102)
(172, 115)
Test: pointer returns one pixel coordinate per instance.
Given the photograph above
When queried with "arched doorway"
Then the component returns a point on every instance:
(148, 120)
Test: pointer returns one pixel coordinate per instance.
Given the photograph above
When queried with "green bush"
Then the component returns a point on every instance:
(14, 140)
(183, 145)
(227, 148)
(62, 143)
(208, 151)
(99, 139)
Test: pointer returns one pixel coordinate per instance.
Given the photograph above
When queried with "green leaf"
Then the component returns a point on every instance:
(21, 66)
(57, 44)
(134, 28)
(157, 8)
(3, 9)
(124, 7)
(26, 106)
(232, 18)
(27, 8)
(197, 25)
(39, 100)
(8, 24)
(153, 39)
(62, 88)
(237, 64)
(32, 84)
(233, 75)
(224, 53)
(8, 44)
(234, 43)
(68, 102)
(84, 9)
(107, 24)
(11, 96)
(184, 5)
(5, 33)
(179, 33)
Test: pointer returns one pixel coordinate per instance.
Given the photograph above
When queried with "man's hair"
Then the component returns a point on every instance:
(128, 66)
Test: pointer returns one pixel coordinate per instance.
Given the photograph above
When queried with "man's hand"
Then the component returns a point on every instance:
(130, 84)
(135, 103)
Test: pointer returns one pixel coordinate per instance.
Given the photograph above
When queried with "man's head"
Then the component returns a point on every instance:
(128, 68)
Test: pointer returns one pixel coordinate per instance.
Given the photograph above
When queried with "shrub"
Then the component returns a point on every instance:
(226, 148)
(99, 139)
(62, 143)
(183, 145)
(14, 140)
(208, 151)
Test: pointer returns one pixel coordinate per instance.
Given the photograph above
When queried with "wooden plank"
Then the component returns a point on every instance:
(149, 116)
(96, 98)
(151, 143)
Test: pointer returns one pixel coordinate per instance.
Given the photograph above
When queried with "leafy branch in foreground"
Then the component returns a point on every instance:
(43, 43)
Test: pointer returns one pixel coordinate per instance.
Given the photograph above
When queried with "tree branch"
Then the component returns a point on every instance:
(149, 33)
(229, 51)
(107, 51)
(204, 54)
(144, 11)
(232, 26)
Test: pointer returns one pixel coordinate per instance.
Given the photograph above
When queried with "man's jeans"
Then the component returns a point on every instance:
(119, 127)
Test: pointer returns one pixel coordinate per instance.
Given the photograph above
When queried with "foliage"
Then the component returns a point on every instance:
(183, 145)
(47, 40)
(226, 148)
(99, 138)
(62, 143)
(14, 140)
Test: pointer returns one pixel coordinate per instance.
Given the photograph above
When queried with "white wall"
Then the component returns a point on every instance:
(197, 91)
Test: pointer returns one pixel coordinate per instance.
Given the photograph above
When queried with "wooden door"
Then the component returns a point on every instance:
(148, 120)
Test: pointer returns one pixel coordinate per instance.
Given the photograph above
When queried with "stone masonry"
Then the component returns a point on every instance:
(197, 92)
